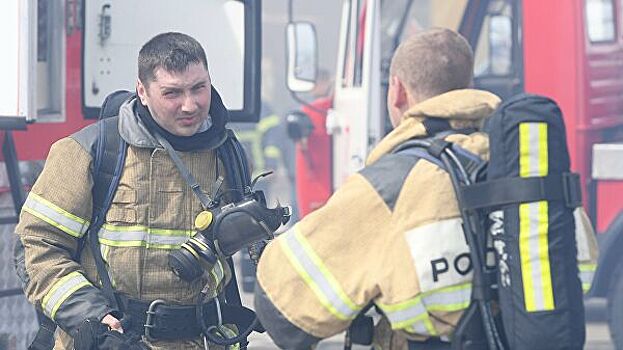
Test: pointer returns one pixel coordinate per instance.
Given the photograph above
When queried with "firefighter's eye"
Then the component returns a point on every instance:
(170, 93)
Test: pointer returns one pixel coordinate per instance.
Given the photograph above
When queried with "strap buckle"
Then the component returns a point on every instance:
(571, 190)
(149, 322)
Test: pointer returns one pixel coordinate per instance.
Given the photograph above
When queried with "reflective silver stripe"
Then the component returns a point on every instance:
(587, 273)
(413, 311)
(138, 236)
(587, 277)
(449, 299)
(55, 215)
(534, 221)
(316, 276)
(533, 239)
(404, 314)
(62, 290)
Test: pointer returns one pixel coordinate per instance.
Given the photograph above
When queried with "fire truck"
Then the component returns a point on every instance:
(61, 58)
(571, 51)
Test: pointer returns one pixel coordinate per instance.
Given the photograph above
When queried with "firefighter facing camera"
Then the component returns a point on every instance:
(94, 252)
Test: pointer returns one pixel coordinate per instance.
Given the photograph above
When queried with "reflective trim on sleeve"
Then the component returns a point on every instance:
(534, 222)
(587, 272)
(316, 275)
(413, 313)
(453, 298)
(55, 215)
(142, 236)
(61, 290)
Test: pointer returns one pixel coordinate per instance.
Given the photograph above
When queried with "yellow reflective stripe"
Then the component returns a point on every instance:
(142, 236)
(190, 249)
(414, 313)
(324, 270)
(200, 244)
(534, 222)
(587, 267)
(316, 276)
(61, 290)
(55, 215)
(267, 123)
(217, 272)
(453, 298)
(587, 272)
(272, 152)
(543, 145)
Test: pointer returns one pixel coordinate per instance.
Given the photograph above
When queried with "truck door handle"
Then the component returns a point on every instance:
(105, 24)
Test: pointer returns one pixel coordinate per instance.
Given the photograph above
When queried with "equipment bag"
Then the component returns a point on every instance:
(540, 293)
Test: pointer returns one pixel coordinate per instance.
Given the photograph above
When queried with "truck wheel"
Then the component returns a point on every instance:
(615, 307)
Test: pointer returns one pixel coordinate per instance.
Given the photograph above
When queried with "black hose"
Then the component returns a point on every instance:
(223, 340)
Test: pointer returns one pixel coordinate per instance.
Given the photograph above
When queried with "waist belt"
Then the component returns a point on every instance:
(433, 343)
(160, 321)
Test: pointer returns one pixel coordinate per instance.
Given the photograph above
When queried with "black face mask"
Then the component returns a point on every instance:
(207, 139)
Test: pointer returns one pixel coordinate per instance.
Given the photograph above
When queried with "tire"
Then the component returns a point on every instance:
(615, 307)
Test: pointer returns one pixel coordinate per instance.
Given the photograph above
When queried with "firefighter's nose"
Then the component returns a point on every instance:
(189, 105)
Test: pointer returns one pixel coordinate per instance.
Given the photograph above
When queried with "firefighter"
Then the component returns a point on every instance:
(152, 211)
(391, 235)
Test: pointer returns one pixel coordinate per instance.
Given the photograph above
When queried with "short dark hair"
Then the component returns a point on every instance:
(172, 51)
(434, 61)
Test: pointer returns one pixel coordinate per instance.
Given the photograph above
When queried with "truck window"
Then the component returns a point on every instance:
(493, 53)
(600, 21)
(50, 61)
(355, 38)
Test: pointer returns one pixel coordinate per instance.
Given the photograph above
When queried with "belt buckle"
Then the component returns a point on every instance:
(151, 313)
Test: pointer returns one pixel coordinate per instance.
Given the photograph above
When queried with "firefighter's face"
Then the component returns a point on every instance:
(178, 101)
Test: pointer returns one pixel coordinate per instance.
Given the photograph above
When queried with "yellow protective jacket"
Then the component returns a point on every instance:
(152, 212)
(391, 235)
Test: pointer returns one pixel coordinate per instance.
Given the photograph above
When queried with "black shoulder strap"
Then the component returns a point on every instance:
(109, 159)
(454, 160)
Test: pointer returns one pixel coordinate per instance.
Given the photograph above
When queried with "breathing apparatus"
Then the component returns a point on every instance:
(222, 231)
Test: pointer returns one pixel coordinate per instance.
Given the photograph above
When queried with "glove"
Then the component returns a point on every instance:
(94, 335)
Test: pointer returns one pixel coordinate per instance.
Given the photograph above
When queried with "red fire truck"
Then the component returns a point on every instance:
(570, 50)
(60, 58)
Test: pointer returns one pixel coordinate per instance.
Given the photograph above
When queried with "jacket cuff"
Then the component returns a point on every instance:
(73, 299)
(285, 334)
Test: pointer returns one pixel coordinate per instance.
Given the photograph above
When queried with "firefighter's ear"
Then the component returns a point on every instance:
(397, 93)
(397, 100)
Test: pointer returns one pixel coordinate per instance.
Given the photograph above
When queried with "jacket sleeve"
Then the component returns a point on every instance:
(53, 221)
(314, 279)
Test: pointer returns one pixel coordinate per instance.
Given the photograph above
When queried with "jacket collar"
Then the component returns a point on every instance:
(463, 108)
(134, 132)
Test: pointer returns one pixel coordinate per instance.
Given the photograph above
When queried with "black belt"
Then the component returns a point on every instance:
(160, 321)
(433, 343)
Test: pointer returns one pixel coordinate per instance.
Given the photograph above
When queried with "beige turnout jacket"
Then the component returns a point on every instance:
(152, 213)
(391, 235)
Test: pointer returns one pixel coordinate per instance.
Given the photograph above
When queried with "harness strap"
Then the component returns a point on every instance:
(495, 193)
(205, 200)
(103, 193)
